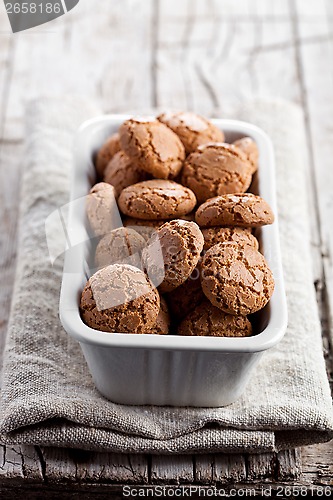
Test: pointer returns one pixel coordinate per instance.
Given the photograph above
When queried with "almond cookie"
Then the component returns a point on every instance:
(153, 146)
(185, 298)
(119, 245)
(250, 148)
(145, 228)
(236, 278)
(122, 172)
(245, 210)
(192, 129)
(207, 320)
(215, 169)
(240, 235)
(101, 208)
(180, 243)
(156, 199)
(162, 324)
(107, 151)
(120, 298)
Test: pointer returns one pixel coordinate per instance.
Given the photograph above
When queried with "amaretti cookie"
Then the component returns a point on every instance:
(236, 278)
(245, 210)
(180, 243)
(162, 324)
(121, 172)
(209, 321)
(101, 209)
(156, 199)
(250, 148)
(120, 298)
(192, 129)
(107, 151)
(144, 227)
(118, 246)
(240, 235)
(215, 169)
(153, 146)
(185, 298)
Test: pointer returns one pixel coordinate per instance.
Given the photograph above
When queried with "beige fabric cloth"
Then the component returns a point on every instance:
(47, 395)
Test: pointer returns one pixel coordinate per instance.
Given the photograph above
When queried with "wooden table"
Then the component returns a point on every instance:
(187, 54)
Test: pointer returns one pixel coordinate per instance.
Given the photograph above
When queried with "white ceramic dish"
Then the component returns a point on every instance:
(169, 369)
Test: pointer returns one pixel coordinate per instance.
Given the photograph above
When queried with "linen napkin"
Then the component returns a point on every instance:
(47, 394)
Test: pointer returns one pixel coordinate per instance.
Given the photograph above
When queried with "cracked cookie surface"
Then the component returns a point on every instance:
(122, 243)
(153, 146)
(156, 199)
(217, 234)
(250, 148)
(106, 153)
(120, 298)
(215, 169)
(101, 208)
(209, 321)
(236, 278)
(192, 129)
(245, 210)
(181, 243)
(121, 172)
(162, 324)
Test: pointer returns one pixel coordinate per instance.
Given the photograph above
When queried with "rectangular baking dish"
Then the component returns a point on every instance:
(167, 369)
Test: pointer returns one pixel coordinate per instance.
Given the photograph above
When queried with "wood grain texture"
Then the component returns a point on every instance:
(197, 54)
(318, 103)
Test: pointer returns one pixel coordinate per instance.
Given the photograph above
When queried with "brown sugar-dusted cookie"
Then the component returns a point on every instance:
(156, 199)
(180, 243)
(120, 298)
(107, 151)
(119, 245)
(245, 210)
(101, 208)
(153, 146)
(215, 169)
(185, 298)
(236, 278)
(162, 324)
(240, 235)
(122, 172)
(210, 321)
(192, 129)
(250, 148)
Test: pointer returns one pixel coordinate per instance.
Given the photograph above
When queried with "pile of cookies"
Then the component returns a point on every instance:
(183, 259)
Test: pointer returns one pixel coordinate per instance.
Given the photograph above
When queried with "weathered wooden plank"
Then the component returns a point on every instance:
(282, 466)
(289, 465)
(317, 464)
(207, 54)
(84, 467)
(230, 468)
(318, 102)
(171, 469)
(205, 468)
(20, 462)
(261, 467)
(206, 47)
(111, 64)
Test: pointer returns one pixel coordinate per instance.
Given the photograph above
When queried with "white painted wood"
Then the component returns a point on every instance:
(195, 54)
(107, 59)
(317, 78)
